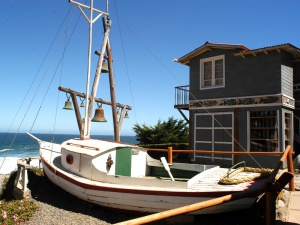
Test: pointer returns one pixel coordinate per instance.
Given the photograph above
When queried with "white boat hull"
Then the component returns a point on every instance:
(143, 203)
(139, 198)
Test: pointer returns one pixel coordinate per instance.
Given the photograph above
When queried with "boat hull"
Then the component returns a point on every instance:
(141, 199)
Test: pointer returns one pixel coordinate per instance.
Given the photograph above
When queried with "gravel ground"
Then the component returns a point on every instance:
(59, 207)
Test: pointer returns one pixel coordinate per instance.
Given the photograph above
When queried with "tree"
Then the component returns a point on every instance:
(171, 131)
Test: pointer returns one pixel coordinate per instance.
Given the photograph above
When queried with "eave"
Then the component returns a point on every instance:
(208, 46)
(294, 51)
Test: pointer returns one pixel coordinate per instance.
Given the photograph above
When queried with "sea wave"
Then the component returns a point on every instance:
(6, 150)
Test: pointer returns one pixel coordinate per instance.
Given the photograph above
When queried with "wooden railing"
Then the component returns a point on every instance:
(289, 157)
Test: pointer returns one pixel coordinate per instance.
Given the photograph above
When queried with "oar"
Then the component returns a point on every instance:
(167, 168)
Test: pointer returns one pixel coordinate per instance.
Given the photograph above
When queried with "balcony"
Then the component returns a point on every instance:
(182, 97)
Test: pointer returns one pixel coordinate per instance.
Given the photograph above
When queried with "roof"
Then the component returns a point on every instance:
(92, 147)
(208, 46)
(241, 50)
(293, 50)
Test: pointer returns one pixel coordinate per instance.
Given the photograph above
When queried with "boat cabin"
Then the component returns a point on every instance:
(240, 99)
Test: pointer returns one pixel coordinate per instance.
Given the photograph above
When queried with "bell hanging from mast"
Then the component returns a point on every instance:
(104, 68)
(126, 114)
(68, 104)
(82, 102)
(99, 115)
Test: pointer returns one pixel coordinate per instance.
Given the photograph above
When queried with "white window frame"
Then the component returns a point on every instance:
(213, 60)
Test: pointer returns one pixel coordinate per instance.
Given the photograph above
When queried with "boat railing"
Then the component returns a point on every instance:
(289, 157)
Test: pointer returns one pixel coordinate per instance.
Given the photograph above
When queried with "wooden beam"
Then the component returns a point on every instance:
(67, 90)
(112, 92)
(186, 119)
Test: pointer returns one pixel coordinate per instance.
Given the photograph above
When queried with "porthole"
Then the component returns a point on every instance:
(69, 159)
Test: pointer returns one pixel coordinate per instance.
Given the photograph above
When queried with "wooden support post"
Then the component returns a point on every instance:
(77, 111)
(112, 93)
(271, 207)
(236, 135)
(290, 165)
(170, 155)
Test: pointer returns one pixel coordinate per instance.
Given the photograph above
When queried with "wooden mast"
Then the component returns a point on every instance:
(85, 125)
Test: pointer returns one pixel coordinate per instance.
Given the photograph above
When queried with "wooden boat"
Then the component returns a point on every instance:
(123, 176)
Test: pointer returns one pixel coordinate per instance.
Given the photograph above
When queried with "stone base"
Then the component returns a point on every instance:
(20, 194)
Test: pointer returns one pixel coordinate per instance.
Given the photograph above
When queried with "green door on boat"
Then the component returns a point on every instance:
(123, 161)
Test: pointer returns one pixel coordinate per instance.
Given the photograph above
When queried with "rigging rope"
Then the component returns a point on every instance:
(19, 127)
(60, 61)
(38, 71)
(126, 65)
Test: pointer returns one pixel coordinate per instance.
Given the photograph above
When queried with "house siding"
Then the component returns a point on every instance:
(250, 76)
(259, 75)
(287, 74)
(287, 81)
(230, 68)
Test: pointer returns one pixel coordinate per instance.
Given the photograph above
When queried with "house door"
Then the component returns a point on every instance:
(214, 132)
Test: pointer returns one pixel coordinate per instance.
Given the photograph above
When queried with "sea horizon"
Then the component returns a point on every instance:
(14, 147)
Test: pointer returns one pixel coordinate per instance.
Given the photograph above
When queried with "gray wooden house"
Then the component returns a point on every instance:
(240, 99)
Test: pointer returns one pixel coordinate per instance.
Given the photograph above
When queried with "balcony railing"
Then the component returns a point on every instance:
(182, 95)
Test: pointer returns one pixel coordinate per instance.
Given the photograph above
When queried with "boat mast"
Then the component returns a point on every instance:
(86, 126)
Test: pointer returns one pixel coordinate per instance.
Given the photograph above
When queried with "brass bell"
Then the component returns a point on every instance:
(126, 115)
(104, 68)
(68, 105)
(82, 102)
(99, 115)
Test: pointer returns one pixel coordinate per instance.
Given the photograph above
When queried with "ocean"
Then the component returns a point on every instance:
(14, 147)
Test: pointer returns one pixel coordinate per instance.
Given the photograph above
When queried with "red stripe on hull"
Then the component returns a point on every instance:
(136, 191)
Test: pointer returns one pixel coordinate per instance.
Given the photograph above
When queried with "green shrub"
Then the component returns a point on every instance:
(16, 211)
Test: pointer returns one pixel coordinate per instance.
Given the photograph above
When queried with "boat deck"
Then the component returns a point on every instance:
(211, 182)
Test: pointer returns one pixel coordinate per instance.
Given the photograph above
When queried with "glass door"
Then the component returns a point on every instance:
(264, 131)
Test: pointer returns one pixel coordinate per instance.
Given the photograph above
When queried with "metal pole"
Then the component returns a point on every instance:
(85, 134)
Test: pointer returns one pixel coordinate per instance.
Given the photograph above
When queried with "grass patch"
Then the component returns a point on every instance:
(16, 211)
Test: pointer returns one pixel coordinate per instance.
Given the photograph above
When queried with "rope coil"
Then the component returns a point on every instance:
(259, 173)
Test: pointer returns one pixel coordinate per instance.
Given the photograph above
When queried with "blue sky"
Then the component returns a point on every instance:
(145, 76)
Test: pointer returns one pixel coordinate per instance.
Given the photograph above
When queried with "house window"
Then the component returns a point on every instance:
(212, 72)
